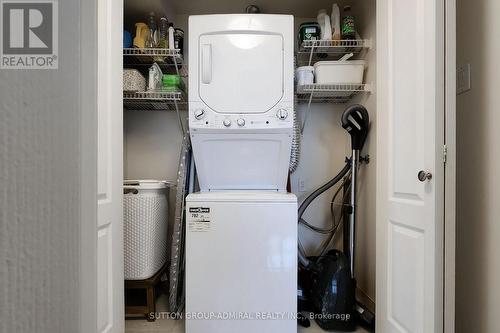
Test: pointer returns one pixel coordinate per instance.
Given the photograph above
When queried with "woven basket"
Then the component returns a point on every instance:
(145, 216)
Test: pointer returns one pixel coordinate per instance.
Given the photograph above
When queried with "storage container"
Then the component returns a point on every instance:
(154, 77)
(133, 80)
(145, 218)
(339, 71)
(304, 75)
(179, 40)
(171, 82)
(309, 31)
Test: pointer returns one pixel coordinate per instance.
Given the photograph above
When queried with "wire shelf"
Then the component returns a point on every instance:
(157, 100)
(167, 59)
(153, 52)
(335, 46)
(331, 93)
(311, 51)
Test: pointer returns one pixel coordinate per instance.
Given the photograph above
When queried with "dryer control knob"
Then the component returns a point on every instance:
(241, 122)
(199, 114)
(282, 114)
(227, 122)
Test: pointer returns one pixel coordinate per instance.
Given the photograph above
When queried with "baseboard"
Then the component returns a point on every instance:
(364, 299)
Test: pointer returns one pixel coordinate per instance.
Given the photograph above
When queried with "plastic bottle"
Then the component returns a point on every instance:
(152, 40)
(171, 40)
(335, 19)
(348, 24)
(163, 36)
(325, 25)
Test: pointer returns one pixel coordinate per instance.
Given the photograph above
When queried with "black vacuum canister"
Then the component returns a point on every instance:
(333, 293)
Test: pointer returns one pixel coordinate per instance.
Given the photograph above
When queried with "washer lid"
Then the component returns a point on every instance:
(242, 196)
(241, 71)
(146, 184)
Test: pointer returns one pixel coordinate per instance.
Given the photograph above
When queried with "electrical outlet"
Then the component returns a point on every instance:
(302, 185)
(463, 78)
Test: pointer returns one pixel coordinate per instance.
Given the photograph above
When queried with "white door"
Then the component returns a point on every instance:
(110, 304)
(410, 118)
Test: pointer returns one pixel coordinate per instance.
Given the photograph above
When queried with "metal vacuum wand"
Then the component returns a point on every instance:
(352, 215)
(356, 122)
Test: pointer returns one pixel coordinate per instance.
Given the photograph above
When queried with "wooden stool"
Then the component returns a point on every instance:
(149, 286)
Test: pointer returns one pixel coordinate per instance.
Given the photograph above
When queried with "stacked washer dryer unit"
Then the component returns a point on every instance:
(241, 230)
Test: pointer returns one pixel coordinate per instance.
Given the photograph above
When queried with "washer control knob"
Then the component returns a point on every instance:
(227, 122)
(282, 114)
(241, 122)
(199, 114)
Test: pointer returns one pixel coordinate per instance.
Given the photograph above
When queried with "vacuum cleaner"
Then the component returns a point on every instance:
(327, 283)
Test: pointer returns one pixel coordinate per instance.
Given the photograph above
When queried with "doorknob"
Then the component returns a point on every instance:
(423, 176)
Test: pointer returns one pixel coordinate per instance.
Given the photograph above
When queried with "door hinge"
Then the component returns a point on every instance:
(445, 154)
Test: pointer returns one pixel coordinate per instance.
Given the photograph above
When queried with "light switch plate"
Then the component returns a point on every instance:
(463, 78)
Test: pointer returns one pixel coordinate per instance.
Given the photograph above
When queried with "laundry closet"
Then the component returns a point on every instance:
(398, 79)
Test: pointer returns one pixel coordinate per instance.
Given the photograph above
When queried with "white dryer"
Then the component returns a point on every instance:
(241, 100)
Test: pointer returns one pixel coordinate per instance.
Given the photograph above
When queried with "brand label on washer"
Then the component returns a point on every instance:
(199, 219)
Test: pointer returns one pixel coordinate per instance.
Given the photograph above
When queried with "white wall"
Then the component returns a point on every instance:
(478, 181)
(40, 169)
(153, 142)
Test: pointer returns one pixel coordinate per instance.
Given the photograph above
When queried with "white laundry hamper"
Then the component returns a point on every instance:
(145, 219)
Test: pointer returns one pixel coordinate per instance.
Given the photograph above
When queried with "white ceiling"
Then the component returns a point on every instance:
(299, 8)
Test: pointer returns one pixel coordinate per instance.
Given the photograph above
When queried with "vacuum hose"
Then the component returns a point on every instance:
(295, 154)
(303, 206)
(356, 121)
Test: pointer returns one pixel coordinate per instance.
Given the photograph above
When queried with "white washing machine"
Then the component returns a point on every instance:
(241, 262)
(241, 232)
(241, 100)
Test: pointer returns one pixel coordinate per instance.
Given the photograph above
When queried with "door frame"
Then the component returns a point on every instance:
(88, 191)
(88, 167)
(450, 166)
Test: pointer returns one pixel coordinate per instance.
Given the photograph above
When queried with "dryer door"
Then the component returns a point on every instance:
(241, 72)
